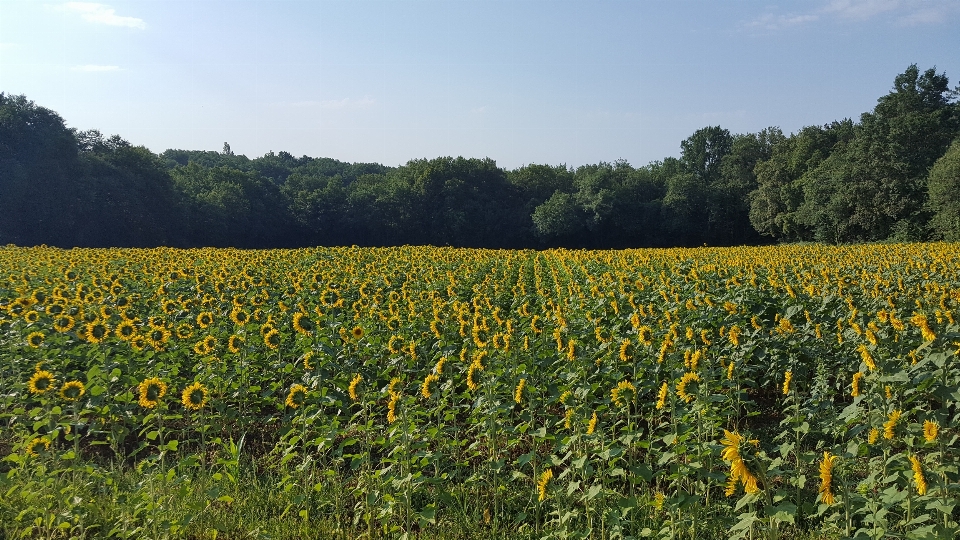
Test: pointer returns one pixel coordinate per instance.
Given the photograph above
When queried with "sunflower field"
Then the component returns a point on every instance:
(767, 392)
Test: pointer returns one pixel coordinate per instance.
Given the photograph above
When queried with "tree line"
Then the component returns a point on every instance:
(892, 175)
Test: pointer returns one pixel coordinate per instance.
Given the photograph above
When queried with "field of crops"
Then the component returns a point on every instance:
(773, 392)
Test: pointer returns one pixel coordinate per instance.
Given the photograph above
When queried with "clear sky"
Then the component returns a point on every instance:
(519, 81)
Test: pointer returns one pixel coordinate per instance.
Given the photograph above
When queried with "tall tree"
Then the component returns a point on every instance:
(944, 189)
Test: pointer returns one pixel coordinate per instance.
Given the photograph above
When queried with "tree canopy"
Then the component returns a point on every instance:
(893, 174)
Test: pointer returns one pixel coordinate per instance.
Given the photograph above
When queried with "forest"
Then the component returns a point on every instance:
(894, 175)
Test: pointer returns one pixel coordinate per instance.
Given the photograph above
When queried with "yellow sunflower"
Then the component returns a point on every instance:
(151, 391)
(72, 390)
(41, 382)
(194, 397)
(125, 330)
(205, 319)
(239, 317)
(234, 344)
(96, 331)
(35, 339)
(63, 323)
(296, 396)
(302, 323)
(34, 446)
(682, 386)
(272, 338)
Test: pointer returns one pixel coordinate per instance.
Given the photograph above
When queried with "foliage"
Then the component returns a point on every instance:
(843, 182)
(792, 391)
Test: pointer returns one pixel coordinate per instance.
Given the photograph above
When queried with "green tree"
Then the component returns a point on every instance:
(944, 189)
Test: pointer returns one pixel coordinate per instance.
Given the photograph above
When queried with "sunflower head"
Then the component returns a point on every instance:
(194, 397)
(239, 317)
(302, 323)
(184, 331)
(272, 338)
(72, 390)
(234, 344)
(205, 319)
(357, 332)
(40, 382)
(296, 396)
(151, 391)
(35, 339)
(126, 330)
(63, 323)
(96, 331)
(37, 445)
(686, 388)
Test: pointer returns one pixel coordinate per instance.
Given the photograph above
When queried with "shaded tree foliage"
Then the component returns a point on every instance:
(892, 174)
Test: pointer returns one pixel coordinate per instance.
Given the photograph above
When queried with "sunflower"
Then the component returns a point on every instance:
(35, 339)
(72, 390)
(272, 338)
(200, 348)
(855, 385)
(138, 343)
(352, 389)
(616, 394)
(592, 424)
(31, 316)
(296, 396)
(40, 382)
(918, 477)
(184, 331)
(169, 307)
(518, 392)
(205, 319)
(239, 316)
(158, 337)
(682, 392)
(155, 322)
(34, 446)
(891, 423)
(930, 430)
(542, 484)
(302, 323)
(194, 397)
(125, 330)
(151, 391)
(739, 473)
(826, 477)
(425, 389)
(96, 331)
(357, 332)
(234, 344)
(63, 323)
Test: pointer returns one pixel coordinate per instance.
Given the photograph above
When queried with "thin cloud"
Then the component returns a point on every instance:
(769, 21)
(93, 68)
(909, 12)
(336, 104)
(102, 14)
(927, 15)
(861, 9)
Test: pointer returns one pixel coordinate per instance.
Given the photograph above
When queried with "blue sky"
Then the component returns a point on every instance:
(519, 81)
